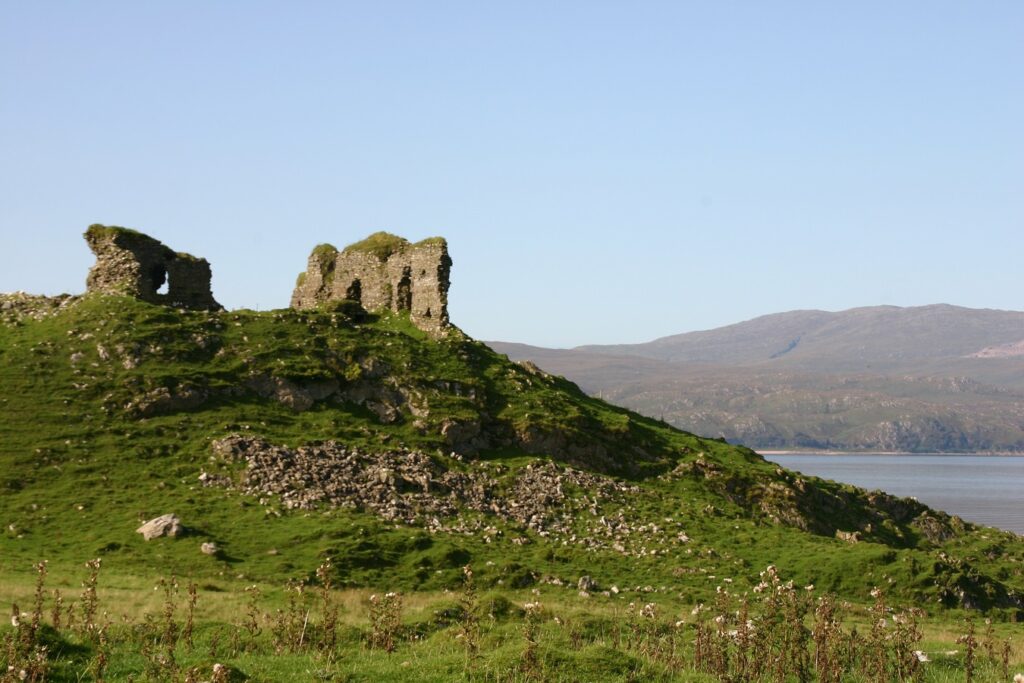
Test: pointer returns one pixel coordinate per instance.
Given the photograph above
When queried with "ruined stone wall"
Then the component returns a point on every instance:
(133, 264)
(315, 284)
(383, 272)
(431, 270)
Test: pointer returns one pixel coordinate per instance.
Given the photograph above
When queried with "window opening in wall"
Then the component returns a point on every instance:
(404, 300)
(355, 292)
(159, 277)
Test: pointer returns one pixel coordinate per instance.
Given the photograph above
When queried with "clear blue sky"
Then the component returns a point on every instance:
(604, 172)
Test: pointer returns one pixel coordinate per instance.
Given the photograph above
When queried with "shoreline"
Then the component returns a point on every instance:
(980, 454)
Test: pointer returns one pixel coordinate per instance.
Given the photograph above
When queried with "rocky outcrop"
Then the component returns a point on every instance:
(288, 393)
(464, 436)
(164, 401)
(384, 272)
(133, 264)
(827, 508)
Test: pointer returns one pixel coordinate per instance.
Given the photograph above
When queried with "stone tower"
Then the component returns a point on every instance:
(383, 272)
(133, 264)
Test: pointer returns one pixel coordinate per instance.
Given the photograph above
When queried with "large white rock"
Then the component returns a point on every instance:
(164, 525)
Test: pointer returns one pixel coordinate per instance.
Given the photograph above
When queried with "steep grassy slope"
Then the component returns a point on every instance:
(932, 378)
(111, 407)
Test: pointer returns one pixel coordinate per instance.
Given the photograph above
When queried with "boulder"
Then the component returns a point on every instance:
(164, 525)
(209, 548)
(848, 536)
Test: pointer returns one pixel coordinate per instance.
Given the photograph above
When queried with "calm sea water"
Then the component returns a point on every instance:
(983, 489)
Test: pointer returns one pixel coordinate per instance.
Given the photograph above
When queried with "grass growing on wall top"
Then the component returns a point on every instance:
(380, 244)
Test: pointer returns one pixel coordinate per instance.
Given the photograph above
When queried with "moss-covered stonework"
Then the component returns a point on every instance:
(133, 264)
(382, 272)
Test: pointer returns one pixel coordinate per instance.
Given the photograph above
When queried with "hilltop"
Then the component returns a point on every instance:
(404, 452)
(929, 378)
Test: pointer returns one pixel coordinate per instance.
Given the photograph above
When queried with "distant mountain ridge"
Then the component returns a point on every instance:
(880, 334)
(926, 378)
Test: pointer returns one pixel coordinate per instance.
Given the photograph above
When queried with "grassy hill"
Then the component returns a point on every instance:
(930, 378)
(439, 454)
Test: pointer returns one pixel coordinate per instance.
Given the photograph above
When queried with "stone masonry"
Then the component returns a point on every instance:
(133, 264)
(383, 272)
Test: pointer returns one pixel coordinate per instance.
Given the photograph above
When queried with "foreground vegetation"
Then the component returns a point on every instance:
(112, 409)
(310, 631)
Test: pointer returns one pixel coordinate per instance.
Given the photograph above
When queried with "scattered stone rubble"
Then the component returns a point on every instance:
(409, 487)
(16, 307)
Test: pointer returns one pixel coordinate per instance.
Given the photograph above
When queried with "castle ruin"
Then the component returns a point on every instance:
(133, 264)
(382, 272)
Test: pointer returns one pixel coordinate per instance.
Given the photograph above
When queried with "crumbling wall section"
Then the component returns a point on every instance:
(315, 284)
(382, 273)
(129, 263)
(431, 268)
(365, 279)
